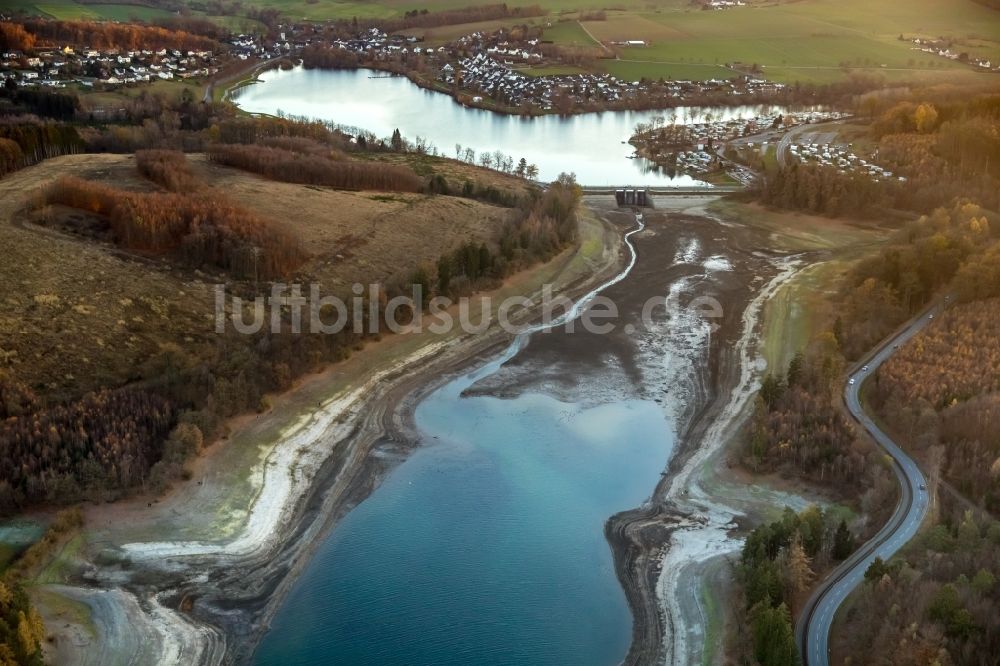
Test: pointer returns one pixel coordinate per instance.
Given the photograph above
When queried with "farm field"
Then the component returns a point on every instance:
(172, 89)
(554, 70)
(69, 10)
(126, 12)
(804, 41)
(446, 33)
(332, 9)
(810, 41)
(569, 33)
(637, 70)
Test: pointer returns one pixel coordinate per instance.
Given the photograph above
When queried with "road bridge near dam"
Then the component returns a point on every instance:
(718, 190)
(645, 197)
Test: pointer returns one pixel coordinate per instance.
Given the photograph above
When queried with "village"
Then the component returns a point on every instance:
(489, 69)
(107, 69)
(840, 157)
(88, 67)
(943, 48)
(702, 148)
(493, 70)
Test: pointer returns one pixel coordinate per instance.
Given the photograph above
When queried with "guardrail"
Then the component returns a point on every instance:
(719, 190)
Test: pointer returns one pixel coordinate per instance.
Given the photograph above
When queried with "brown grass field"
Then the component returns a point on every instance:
(80, 313)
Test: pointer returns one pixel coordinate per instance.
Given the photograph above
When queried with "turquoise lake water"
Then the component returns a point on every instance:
(487, 545)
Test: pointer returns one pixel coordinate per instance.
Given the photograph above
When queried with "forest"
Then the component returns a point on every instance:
(293, 166)
(256, 130)
(65, 452)
(418, 18)
(316, 56)
(941, 393)
(779, 562)
(539, 229)
(24, 142)
(16, 100)
(937, 603)
(30, 33)
(13, 37)
(21, 628)
(200, 228)
(799, 429)
(933, 252)
(106, 443)
(947, 146)
(824, 190)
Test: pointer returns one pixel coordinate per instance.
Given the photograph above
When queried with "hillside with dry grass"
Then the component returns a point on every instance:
(112, 374)
(81, 313)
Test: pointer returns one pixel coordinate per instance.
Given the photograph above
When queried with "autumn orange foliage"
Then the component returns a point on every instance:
(295, 167)
(13, 37)
(108, 35)
(106, 439)
(168, 168)
(200, 228)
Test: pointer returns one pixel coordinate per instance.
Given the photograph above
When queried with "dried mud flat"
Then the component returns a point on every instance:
(696, 357)
(665, 550)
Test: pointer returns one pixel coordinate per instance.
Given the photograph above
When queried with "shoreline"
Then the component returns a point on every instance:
(322, 467)
(648, 559)
(675, 553)
(459, 96)
(210, 600)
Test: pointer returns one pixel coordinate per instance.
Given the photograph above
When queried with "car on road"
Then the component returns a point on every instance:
(851, 381)
(923, 487)
(864, 369)
(931, 317)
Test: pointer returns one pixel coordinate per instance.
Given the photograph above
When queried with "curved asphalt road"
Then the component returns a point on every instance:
(813, 629)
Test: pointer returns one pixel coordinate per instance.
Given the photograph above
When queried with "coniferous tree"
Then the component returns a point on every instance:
(843, 542)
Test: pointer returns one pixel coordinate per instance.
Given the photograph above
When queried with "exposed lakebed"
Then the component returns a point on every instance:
(487, 544)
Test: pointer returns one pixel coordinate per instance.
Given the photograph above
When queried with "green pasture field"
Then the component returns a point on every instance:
(172, 89)
(956, 75)
(554, 70)
(568, 33)
(238, 23)
(127, 12)
(60, 9)
(334, 9)
(808, 41)
(69, 10)
(636, 71)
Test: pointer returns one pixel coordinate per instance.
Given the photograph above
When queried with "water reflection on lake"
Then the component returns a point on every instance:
(592, 145)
